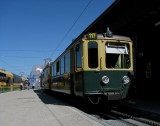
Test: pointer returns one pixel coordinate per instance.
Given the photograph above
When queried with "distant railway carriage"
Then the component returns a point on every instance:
(95, 66)
(46, 77)
(10, 81)
(6, 78)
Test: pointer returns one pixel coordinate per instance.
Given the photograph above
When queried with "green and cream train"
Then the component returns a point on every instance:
(95, 66)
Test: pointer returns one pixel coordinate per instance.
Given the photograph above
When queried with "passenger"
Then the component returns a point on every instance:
(33, 86)
(28, 85)
(21, 86)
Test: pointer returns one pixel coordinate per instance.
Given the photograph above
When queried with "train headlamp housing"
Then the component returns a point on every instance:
(105, 80)
(125, 80)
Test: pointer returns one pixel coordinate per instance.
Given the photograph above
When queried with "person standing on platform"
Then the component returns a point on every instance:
(28, 85)
(21, 86)
(33, 85)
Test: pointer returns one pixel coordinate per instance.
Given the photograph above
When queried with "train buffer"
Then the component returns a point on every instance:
(35, 108)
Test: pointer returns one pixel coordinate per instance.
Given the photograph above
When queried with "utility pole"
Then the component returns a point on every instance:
(46, 60)
(21, 73)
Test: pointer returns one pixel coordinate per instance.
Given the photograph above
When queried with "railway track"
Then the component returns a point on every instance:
(114, 117)
(127, 119)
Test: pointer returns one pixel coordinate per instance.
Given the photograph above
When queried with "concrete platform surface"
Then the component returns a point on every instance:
(35, 108)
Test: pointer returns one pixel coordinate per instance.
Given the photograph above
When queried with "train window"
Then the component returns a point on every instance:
(62, 65)
(67, 63)
(2, 74)
(42, 75)
(93, 54)
(58, 68)
(46, 73)
(3, 77)
(54, 69)
(78, 56)
(117, 55)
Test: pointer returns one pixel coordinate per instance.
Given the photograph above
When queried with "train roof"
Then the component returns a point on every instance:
(106, 35)
(8, 74)
(114, 37)
(103, 36)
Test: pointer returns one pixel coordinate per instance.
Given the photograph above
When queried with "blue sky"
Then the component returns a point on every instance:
(32, 30)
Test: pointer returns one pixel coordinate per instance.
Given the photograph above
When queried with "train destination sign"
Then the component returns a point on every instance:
(92, 35)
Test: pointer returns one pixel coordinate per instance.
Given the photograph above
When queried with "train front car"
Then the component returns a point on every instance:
(106, 68)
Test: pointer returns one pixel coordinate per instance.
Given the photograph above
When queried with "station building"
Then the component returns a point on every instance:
(140, 20)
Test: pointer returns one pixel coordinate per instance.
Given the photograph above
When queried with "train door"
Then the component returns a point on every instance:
(72, 70)
(77, 70)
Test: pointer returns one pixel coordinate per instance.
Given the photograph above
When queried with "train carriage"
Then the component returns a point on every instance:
(95, 66)
(6, 80)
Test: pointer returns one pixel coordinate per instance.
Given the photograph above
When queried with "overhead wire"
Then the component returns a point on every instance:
(20, 57)
(62, 40)
(10, 65)
(25, 51)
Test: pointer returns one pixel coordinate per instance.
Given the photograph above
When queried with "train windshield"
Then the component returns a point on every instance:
(93, 54)
(117, 55)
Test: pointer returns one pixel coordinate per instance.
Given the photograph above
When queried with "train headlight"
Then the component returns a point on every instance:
(125, 80)
(105, 79)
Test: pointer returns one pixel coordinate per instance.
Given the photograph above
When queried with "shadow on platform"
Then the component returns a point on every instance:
(49, 99)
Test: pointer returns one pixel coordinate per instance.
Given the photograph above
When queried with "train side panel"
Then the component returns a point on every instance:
(61, 75)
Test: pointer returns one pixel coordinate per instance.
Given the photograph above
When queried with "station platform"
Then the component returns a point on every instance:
(35, 108)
